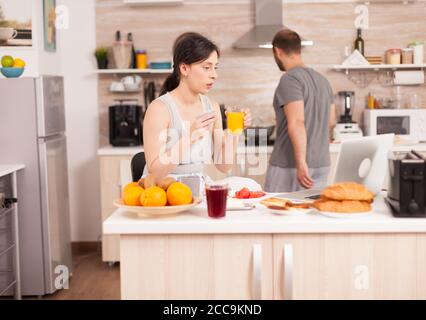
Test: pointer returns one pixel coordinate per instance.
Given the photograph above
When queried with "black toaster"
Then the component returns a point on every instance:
(407, 185)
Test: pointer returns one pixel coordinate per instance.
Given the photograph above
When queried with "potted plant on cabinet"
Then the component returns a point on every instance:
(101, 55)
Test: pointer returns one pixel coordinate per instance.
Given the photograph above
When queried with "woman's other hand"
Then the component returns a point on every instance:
(201, 125)
(247, 117)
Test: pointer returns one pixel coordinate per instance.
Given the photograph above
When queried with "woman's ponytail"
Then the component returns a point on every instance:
(171, 82)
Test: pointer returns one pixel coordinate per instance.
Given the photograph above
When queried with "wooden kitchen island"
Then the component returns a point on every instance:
(260, 255)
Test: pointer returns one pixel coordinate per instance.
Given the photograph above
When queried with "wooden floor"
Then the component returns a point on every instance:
(91, 279)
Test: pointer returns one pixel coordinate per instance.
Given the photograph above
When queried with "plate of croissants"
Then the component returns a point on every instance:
(345, 200)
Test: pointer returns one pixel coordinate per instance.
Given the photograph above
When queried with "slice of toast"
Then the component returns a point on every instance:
(275, 202)
(279, 203)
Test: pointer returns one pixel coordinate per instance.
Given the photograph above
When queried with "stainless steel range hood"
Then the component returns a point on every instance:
(269, 20)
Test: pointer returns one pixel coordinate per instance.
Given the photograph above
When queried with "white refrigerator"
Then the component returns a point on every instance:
(32, 132)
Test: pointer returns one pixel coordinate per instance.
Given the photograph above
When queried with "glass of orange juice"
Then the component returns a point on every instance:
(235, 120)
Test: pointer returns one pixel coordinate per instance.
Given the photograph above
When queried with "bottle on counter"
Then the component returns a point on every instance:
(359, 42)
(370, 101)
(141, 59)
(133, 59)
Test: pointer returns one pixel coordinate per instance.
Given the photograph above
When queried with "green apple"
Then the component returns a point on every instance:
(7, 61)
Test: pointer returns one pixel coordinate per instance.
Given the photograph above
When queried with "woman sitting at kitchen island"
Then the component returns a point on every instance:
(182, 129)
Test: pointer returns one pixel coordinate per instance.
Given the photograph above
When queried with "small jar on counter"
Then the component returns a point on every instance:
(418, 51)
(393, 56)
(141, 59)
(407, 55)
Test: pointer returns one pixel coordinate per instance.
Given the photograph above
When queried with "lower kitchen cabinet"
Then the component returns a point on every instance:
(273, 266)
(114, 173)
(196, 266)
(350, 266)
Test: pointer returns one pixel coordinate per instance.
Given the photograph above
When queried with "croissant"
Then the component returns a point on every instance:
(347, 191)
(345, 206)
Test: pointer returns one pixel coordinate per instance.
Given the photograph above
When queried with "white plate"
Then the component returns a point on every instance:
(288, 212)
(156, 211)
(345, 215)
(237, 204)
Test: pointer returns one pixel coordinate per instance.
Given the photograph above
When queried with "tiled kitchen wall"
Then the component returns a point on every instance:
(248, 77)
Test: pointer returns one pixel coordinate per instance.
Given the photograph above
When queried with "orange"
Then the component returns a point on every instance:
(131, 194)
(153, 197)
(179, 193)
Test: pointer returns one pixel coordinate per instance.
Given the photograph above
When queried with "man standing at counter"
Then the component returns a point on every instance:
(304, 109)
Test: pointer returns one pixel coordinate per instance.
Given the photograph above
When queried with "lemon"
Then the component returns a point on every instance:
(7, 61)
(18, 63)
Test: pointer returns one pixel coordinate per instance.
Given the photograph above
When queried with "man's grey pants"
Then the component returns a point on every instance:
(285, 179)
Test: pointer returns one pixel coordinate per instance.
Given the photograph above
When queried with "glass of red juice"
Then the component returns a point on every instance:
(216, 194)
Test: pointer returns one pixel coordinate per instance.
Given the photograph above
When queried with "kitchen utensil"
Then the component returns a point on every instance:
(132, 83)
(117, 86)
(122, 52)
(156, 211)
(7, 34)
(125, 123)
(346, 128)
(407, 184)
(149, 93)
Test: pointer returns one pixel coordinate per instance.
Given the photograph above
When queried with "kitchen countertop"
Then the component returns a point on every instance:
(259, 220)
(7, 169)
(129, 151)
(334, 148)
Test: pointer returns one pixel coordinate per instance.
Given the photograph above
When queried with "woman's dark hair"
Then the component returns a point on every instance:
(189, 47)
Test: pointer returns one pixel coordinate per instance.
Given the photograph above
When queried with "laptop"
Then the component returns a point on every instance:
(362, 160)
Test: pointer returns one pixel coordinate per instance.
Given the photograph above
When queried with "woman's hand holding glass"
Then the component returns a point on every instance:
(237, 120)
